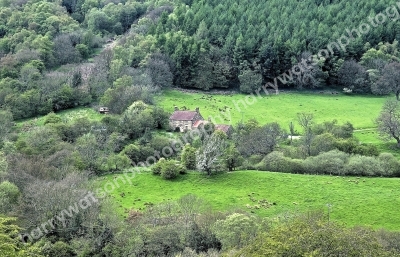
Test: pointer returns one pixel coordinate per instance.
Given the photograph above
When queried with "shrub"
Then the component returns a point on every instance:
(159, 142)
(188, 157)
(52, 118)
(232, 158)
(292, 151)
(111, 122)
(181, 169)
(42, 140)
(70, 132)
(251, 162)
(297, 166)
(318, 129)
(312, 235)
(201, 240)
(390, 165)
(344, 131)
(346, 146)
(168, 169)
(275, 161)
(322, 143)
(236, 230)
(352, 146)
(359, 165)
(138, 153)
(255, 158)
(369, 150)
(58, 249)
(117, 162)
(331, 162)
(156, 168)
(9, 194)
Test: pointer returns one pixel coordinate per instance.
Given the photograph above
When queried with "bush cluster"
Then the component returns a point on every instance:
(168, 169)
(333, 162)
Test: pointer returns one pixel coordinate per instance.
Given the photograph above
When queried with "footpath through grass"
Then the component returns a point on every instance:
(372, 202)
(361, 111)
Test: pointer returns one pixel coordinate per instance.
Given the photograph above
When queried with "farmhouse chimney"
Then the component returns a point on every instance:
(197, 109)
(176, 108)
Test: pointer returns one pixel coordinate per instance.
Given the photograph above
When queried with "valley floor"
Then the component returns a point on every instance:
(354, 201)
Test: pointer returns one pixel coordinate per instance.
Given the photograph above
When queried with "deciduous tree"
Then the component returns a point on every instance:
(160, 72)
(188, 157)
(10, 242)
(6, 123)
(354, 77)
(260, 140)
(388, 121)
(306, 120)
(232, 158)
(390, 80)
(9, 194)
(236, 230)
(210, 152)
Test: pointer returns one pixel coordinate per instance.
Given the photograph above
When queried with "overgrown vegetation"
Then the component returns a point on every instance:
(126, 55)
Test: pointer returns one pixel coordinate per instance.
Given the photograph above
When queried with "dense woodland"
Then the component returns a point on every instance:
(51, 56)
(61, 54)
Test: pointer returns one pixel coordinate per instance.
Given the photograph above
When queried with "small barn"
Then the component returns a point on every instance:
(227, 129)
(103, 110)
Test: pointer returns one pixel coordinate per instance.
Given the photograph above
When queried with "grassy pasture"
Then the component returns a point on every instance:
(361, 111)
(371, 136)
(355, 201)
(66, 115)
(283, 108)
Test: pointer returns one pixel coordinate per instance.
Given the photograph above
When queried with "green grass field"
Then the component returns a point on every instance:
(370, 201)
(361, 111)
(371, 136)
(66, 115)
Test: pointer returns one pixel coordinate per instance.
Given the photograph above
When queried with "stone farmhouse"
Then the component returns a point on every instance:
(184, 120)
(188, 120)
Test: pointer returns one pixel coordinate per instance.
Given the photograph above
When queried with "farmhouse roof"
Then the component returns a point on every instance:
(183, 115)
(199, 122)
(223, 127)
